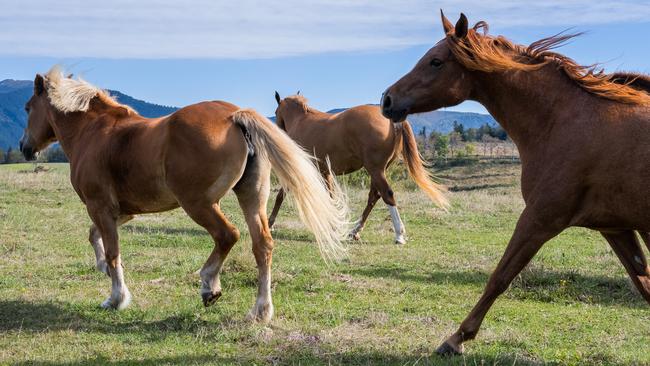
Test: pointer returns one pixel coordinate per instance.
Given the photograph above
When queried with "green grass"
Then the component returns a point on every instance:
(384, 305)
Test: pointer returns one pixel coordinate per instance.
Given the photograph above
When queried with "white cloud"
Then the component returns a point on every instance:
(265, 29)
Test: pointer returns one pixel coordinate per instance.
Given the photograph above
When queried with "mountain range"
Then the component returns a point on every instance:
(15, 93)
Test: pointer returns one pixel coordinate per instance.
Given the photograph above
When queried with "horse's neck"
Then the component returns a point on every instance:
(297, 119)
(67, 128)
(528, 104)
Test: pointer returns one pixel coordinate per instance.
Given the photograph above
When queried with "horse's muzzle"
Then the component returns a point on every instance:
(389, 111)
(28, 151)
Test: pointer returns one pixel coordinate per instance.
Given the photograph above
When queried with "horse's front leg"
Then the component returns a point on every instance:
(95, 239)
(529, 236)
(106, 224)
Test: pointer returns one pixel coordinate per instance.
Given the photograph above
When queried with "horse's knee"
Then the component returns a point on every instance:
(388, 196)
(263, 250)
(227, 238)
(497, 285)
(93, 235)
(112, 258)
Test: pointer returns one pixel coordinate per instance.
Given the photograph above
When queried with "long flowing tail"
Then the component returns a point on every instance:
(417, 170)
(324, 212)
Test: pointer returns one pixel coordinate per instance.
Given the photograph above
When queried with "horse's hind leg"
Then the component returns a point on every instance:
(373, 197)
(276, 207)
(95, 239)
(628, 249)
(253, 192)
(381, 184)
(224, 234)
(646, 238)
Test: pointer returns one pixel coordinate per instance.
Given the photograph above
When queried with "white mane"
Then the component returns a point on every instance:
(74, 95)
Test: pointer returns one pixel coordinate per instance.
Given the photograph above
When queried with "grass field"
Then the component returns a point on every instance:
(384, 305)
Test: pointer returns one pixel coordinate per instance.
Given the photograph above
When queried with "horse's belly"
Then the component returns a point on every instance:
(147, 198)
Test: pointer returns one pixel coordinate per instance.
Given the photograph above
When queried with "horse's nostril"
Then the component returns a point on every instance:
(387, 102)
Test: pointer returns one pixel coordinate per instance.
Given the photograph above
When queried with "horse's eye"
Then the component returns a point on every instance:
(436, 62)
(27, 109)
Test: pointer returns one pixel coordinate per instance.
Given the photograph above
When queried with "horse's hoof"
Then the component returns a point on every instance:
(260, 314)
(447, 350)
(354, 236)
(400, 240)
(115, 304)
(210, 298)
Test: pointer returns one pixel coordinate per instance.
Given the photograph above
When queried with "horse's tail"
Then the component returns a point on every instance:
(417, 171)
(324, 212)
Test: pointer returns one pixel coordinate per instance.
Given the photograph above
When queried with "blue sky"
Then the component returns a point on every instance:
(338, 53)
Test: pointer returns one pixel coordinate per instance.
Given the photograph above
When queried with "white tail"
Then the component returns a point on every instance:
(325, 213)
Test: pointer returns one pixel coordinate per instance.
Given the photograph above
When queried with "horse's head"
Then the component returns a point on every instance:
(39, 132)
(437, 80)
(289, 108)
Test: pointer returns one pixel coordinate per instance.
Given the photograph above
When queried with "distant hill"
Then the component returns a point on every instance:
(15, 93)
(443, 121)
(440, 121)
(144, 108)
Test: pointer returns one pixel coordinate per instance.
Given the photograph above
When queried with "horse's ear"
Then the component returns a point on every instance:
(39, 85)
(70, 75)
(461, 26)
(446, 24)
(298, 93)
(277, 97)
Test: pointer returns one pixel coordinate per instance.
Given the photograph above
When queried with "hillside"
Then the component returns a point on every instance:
(15, 93)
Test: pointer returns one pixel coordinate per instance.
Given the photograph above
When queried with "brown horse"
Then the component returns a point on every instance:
(582, 135)
(359, 137)
(122, 164)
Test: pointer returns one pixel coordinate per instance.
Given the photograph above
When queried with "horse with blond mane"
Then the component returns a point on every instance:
(122, 164)
(582, 135)
(359, 137)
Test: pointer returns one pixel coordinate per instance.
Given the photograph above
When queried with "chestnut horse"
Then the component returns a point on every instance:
(122, 164)
(359, 137)
(582, 136)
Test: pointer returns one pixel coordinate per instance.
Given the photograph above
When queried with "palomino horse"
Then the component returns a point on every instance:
(122, 164)
(582, 136)
(359, 137)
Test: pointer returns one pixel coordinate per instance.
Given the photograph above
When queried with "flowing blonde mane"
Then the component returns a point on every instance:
(483, 52)
(74, 95)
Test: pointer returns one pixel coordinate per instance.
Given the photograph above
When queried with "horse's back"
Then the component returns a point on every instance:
(351, 139)
(366, 121)
(205, 147)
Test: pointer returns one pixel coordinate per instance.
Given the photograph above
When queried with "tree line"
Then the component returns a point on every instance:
(464, 142)
(461, 142)
(53, 154)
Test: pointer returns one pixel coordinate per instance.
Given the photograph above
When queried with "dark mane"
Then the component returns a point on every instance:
(637, 81)
(482, 52)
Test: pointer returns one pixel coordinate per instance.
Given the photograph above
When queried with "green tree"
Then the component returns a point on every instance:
(14, 156)
(55, 154)
(470, 149)
(459, 128)
(440, 145)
